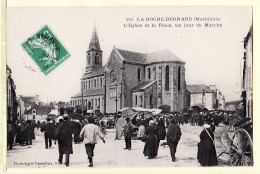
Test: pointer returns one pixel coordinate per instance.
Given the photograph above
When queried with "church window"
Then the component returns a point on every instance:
(88, 58)
(136, 100)
(101, 82)
(179, 78)
(96, 102)
(86, 85)
(138, 74)
(167, 84)
(95, 83)
(141, 103)
(99, 102)
(97, 59)
(151, 101)
(149, 73)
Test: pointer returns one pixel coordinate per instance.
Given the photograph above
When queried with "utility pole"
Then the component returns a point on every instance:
(82, 102)
(116, 97)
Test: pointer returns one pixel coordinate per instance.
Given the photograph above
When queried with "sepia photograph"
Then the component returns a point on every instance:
(112, 87)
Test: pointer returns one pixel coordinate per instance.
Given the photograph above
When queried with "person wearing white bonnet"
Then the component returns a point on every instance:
(151, 122)
(59, 118)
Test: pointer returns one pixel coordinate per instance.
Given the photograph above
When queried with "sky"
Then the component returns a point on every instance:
(213, 55)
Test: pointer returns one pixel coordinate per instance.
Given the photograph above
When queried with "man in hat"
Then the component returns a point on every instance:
(48, 130)
(64, 136)
(128, 130)
(173, 136)
(90, 133)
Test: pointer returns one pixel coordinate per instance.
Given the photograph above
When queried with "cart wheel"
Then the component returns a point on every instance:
(241, 149)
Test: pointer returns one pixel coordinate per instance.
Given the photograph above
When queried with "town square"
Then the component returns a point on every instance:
(91, 90)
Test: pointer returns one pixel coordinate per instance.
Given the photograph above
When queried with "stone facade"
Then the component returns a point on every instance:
(123, 74)
(247, 83)
(11, 96)
(206, 97)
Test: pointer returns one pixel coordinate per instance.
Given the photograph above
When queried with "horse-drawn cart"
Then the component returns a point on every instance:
(240, 146)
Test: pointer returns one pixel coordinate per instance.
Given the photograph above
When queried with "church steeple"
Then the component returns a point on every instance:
(94, 42)
(94, 53)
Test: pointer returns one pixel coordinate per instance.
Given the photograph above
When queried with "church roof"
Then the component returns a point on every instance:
(162, 55)
(158, 56)
(194, 89)
(131, 56)
(144, 85)
(92, 92)
(94, 42)
(97, 71)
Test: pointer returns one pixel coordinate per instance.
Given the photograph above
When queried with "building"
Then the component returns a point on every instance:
(130, 79)
(36, 113)
(233, 105)
(206, 97)
(25, 103)
(11, 96)
(247, 81)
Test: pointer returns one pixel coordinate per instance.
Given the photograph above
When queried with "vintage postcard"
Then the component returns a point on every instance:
(129, 87)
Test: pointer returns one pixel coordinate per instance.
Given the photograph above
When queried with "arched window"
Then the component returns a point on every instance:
(86, 102)
(149, 73)
(151, 101)
(86, 85)
(95, 83)
(179, 78)
(97, 59)
(136, 100)
(89, 57)
(101, 82)
(138, 74)
(167, 84)
(91, 84)
(141, 99)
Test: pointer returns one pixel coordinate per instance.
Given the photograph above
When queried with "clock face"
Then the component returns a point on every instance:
(112, 76)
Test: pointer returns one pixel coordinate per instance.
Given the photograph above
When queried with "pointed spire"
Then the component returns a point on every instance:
(94, 42)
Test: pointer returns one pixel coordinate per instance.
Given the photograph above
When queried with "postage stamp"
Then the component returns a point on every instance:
(46, 50)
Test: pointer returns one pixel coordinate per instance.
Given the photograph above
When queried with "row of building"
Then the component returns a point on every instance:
(132, 79)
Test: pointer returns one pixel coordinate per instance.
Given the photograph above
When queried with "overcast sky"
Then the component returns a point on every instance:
(213, 56)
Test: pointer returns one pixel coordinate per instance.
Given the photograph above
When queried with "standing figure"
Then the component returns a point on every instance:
(173, 137)
(161, 131)
(48, 130)
(206, 147)
(64, 136)
(10, 134)
(151, 144)
(128, 130)
(29, 129)
(120, 123)
(90, 133)
(141, 129)
(77, 129)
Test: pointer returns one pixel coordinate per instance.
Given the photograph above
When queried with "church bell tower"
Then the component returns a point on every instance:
(94, 53)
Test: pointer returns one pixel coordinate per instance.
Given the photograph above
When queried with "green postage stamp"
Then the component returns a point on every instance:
(45, 49)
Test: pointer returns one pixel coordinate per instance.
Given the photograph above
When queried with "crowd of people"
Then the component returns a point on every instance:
(151, 130)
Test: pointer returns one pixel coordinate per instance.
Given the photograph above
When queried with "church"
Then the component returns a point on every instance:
(131, 79)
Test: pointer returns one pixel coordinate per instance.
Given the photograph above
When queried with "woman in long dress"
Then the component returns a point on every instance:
(141, 129)
(207, 155)
(150, 148)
